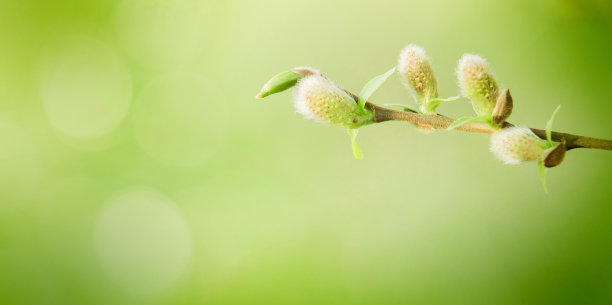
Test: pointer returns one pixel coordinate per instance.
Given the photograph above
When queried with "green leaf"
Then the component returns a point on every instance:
(406, 107)
(467, 119)
(371, 86)
(432, 105)
(279, 83)
(356, 150)
(549, 125)
(542, 172)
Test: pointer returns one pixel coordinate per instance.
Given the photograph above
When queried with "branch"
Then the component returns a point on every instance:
(442, 122)
(316, 97)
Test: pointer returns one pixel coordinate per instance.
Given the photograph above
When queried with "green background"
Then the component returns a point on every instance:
(136, 167)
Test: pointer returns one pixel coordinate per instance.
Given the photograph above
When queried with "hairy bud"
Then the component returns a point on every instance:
(416, 71)
(317, 98)
(477, 82)
(503, 107)
(517, 144)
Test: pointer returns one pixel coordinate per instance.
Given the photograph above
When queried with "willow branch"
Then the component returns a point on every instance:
(442, 122)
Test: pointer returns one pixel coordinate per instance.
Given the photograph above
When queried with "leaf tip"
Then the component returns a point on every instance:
(260, 95)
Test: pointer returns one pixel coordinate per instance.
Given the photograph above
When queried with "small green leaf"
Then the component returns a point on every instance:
(406, 107)
(356, 150)
(549, 125)
(432, 105)
(542, 172)
(467, 119)
(371, 86)
(279, 83)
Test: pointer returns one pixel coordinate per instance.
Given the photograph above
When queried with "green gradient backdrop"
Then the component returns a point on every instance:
(137, 168)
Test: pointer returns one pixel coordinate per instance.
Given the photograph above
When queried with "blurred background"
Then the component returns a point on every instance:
(136, 167)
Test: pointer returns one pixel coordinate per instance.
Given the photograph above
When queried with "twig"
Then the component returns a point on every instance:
(442, 122)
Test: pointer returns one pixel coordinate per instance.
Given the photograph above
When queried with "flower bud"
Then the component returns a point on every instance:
(478, 83)
(317, 98)
(503, 107)
(517, 144)
(416, 71)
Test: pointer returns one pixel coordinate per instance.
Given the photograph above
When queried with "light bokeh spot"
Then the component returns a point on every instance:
(143, 242)
(86, 89)
(178, 121)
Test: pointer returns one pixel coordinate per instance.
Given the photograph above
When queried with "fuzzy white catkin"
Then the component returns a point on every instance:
(415, 69)
(517, 144)
(300, 97)
(477, 82)
(318, 98)
(470, 66)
